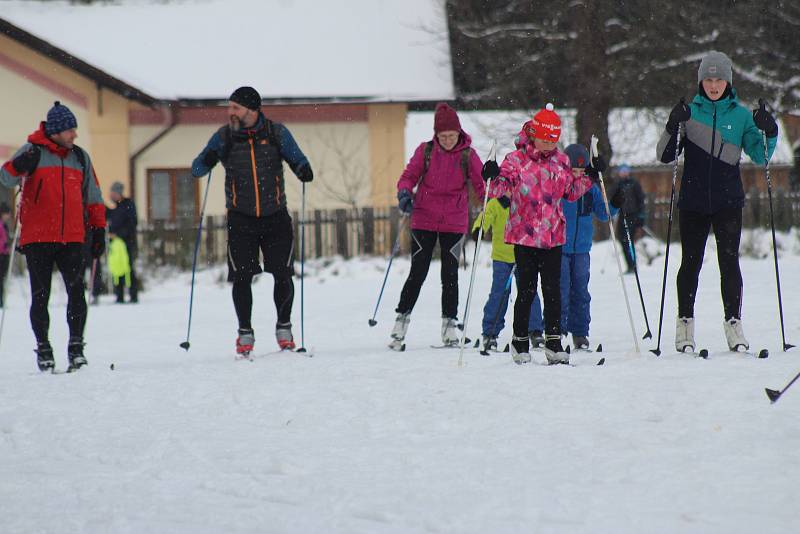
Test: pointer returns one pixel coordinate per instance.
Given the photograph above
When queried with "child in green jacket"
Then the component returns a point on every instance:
(119, 266)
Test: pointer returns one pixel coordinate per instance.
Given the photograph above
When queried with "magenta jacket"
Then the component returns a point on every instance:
(441, 203)
(536, 184)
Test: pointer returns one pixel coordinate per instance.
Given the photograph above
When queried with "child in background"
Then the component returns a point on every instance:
(537, 178)
(119, 266)
(575, 297)
(494, 312)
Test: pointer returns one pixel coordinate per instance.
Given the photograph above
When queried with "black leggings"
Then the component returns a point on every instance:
(530, 263)
(422, 243)
(727, 225)
(41, 257)
(283, 294)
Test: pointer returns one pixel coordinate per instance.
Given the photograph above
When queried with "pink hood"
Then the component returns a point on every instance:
(441, 202)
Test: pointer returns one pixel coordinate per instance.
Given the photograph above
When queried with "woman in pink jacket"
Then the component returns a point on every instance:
(433, 191)
(536, 177)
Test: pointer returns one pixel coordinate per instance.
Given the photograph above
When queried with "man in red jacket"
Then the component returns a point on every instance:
(61, 207)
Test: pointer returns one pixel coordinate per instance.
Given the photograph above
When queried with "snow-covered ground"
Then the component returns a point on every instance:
(361, 439)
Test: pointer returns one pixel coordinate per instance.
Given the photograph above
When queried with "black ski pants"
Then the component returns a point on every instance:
(271, 237)
(422, 244)
(68, 258)
(694, 227)
(531, 263)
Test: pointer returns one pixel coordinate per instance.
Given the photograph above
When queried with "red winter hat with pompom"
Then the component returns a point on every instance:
(545, 125)
(445, 119)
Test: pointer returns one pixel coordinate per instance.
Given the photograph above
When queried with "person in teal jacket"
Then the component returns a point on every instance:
(717, 130)
(579, 215)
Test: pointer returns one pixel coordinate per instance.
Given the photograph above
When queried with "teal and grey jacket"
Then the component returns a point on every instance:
(713, 141)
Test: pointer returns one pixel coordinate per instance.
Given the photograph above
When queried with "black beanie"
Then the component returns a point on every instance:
(247, 97)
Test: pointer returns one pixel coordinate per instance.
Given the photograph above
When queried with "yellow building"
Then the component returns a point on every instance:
(145, 109)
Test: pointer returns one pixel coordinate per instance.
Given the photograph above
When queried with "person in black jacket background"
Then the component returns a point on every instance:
(631, 214)
(122, 221)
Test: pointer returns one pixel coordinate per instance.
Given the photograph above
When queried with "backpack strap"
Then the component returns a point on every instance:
(426, 161)
(225, 135)
(465, 164)
(81, 156)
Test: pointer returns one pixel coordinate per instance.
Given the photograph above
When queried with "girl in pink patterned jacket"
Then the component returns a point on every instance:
(536, 177)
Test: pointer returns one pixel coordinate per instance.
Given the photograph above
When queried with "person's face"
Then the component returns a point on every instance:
(116, 197)
(66, 138)
(714, 87)
(239, 116)
(447, 139)
(544, 146)
(577, 172)
(5, 217)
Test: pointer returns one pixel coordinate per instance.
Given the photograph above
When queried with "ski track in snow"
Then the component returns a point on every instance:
(363, 439)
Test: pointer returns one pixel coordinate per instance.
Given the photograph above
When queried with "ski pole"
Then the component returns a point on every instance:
(302, 268)
(657, 350)
(493, 156)
(10, 270)
(395, 250)
(774, 395)
(185, 345)
(786, 346)
(614, 245)
(503, 298)
(647, 335)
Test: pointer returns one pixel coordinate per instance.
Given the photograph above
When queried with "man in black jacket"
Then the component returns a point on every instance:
(252, 150)
(122, 221)
(631, 214)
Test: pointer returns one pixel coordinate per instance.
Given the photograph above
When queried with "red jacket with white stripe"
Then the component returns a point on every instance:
(58, 200)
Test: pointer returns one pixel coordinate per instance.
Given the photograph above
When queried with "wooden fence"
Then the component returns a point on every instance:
(372, 231)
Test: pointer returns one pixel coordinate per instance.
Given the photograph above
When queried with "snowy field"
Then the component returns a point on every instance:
(359, 439)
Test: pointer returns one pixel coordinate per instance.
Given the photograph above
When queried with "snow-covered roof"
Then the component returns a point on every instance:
(634, 133)
(395, 50)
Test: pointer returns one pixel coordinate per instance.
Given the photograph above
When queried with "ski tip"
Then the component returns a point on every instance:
(567, 350)
(373, 322)
(647, 335)
(657, 352)
(477, 344)
(773, 395)
(507, 348)
(602, 361)
(787, 346)
(703, 354)
(484, 353)
(460, 326)
(111, 366)
(599, 348)
(184, 345)
(301, 350)
(763, 353)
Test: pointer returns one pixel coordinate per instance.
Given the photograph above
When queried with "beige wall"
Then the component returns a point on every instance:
(387, 124)
(28, 96)
(339, 153)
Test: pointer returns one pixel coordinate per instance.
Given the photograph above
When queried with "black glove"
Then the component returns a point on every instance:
(680, 113)
(764, 120)
(474, 234)
(592, 173)
(98, 242)
(405, 201)
(210, 158)
(618, 199)
(504, 201)
(490, 170)
(27, 162)
(599, 163)
(305, 173)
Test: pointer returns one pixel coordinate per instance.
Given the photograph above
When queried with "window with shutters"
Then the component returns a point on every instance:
(172, 195)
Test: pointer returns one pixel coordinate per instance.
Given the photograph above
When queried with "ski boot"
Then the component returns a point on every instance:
(734, 334)
(489, 343)
(684, 334)
(44, 356)
(537, 339)
(283, 333)
(553, 350)
(450, 335)
(399, 331)
(75, 354)
(245, 342)
(520, 352)
(580, 342)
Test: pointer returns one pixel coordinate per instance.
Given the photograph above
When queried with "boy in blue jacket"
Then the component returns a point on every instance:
(575, 297)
